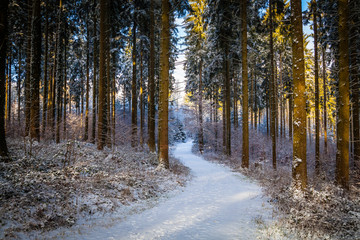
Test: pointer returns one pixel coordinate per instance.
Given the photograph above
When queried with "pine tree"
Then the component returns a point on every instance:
(3, 46)
(102, 124)
(35, 71)
(245, 121)
(299, 171)
(164, 85)
(342, 140)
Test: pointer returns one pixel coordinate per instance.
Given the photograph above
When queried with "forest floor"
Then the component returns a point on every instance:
(216, 204)
(324, 211)
(48, 185)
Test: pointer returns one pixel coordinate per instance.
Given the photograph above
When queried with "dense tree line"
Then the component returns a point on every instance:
(248, 62)
(74, 57)
(284, 84)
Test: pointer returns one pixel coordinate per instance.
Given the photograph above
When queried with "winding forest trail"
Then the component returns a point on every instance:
(216, 204)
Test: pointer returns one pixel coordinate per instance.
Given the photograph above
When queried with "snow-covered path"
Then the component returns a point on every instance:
(216, 204)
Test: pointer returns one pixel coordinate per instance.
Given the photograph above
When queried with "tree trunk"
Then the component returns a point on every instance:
(93, 132)
(19, 84)
(9, 89)
(87, 82)
(133, 91)
(201, 131)
(342, 140)
(151, 109)
(45, 95)
(3, 43)
(299, 172)
(227, 102)
(245, 118)
(59, 75)
(273, 90)
(27, 78)
(35, 71)
(102, 124)
(141, 99)
(164, 85)
(317, 100)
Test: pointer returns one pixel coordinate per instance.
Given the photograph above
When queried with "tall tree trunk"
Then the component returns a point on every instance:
(87, 82)
(272, 89)
(151, 109)
(19, 84)
(45, 95)
(102, 125)
(245, 118)
(27, 78)
(342, 140)
(59, 75)
(236, 116)
(141, 98)
(317, 100)
(35, 71)
(164, 85)
(355, 82)
(108, 78)
(299, 172)
(201, 131)
(227, 102)
(65, 81)
(9, 89)
(134, 132)
(291, 102)
(255, 98)
(93, 132)
(281, 100)
(3, 43)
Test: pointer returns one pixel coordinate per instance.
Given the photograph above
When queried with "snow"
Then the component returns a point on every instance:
(216, 204)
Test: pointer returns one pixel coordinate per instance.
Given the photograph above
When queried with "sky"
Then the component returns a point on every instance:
(179, 72)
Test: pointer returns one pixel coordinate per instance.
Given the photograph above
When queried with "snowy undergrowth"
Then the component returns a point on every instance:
(324, 211)
(47, 186)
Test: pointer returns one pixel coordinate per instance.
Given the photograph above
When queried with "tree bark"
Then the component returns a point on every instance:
(27, 78)
(164, 85)
(299, 171)
(3, 43)
(245, 91)
(342, 140)
(87, 83)
(95, 59)
(201, 131)
(102, 125)
(317, 100)
(45, 95)
(151, 109)
(35, 71)
(134, 131)
(273, 90)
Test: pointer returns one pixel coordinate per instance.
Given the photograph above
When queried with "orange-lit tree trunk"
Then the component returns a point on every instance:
(299, 172)
(164, 85)
(3, 43)
(342, 140)
(245, 117)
